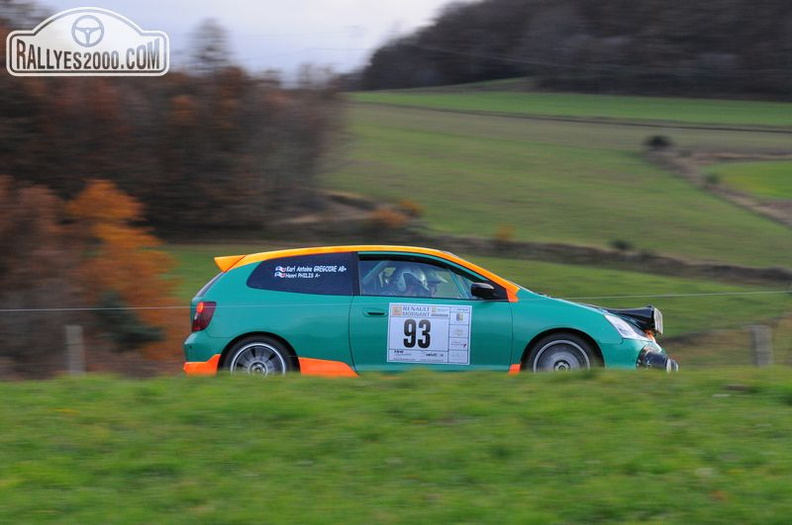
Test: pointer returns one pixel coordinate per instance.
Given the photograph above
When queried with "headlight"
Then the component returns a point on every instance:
(625, 329)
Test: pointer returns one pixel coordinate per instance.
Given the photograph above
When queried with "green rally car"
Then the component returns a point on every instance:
(345, 310)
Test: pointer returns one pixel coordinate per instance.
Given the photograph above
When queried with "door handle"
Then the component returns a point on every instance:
(373, 312)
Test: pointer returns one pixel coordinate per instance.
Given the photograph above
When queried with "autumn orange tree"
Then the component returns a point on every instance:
(85, 262)
(122, 274)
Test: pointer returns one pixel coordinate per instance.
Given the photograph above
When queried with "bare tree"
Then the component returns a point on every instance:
(210, 48)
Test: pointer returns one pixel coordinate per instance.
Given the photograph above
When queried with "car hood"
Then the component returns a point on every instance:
(647, 318)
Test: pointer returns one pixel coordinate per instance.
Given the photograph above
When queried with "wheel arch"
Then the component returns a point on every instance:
(289, 348)
(532, 344)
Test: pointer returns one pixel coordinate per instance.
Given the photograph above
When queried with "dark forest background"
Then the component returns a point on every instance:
(710, 48)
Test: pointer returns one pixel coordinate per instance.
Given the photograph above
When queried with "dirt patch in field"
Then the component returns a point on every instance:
(689, 165)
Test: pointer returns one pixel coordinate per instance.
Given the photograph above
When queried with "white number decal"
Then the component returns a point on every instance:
(427, 333)
(411, 328)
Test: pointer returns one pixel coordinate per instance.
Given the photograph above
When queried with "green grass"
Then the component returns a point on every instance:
(576, 183)
(764, 179)
(679, 110)
(604, 447)
(195, 263)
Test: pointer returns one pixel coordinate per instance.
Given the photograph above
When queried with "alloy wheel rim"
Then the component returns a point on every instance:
(561, 356)
(258, 359)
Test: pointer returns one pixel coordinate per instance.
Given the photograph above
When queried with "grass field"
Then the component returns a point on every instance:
(643, 109)
(195, 262)
(603, 447)
(764, 179)
(570, 182)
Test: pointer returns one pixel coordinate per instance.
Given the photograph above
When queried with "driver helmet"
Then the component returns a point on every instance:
(411, 277)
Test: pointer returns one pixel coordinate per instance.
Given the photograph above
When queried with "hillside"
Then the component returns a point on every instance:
(585, 182)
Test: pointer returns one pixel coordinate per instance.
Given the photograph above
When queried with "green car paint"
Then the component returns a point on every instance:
(319, 305)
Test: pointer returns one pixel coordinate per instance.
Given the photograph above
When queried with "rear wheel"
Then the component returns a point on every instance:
(259, 356)
(560, 353)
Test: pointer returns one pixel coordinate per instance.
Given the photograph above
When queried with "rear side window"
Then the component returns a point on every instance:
(323, 274)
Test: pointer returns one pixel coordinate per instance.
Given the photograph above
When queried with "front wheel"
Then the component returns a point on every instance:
(561, 352)
(259, 356)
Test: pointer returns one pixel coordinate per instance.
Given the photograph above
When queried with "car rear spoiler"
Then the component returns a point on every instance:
(227, 262)
(647, 318)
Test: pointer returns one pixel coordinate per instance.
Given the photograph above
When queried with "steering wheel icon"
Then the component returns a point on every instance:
(87, 31)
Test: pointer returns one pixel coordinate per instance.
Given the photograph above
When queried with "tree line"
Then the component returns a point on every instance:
(217, 150)
(697, 47)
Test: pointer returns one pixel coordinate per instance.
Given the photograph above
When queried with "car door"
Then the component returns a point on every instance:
(418, 311)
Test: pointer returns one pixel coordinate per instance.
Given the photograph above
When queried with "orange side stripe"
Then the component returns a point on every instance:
(206, 368)
(514, 369)
(322, 367)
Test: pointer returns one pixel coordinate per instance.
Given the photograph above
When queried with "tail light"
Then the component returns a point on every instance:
(203, 315)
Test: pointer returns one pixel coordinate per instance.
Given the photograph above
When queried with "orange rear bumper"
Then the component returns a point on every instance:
(202, 368)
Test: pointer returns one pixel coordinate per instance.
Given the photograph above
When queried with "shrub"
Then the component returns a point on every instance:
(658, 142)
(388, 218)
(505, 233)
(621, 245)
(712, 179)
(411, 208)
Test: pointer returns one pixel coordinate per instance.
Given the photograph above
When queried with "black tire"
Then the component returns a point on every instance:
(259, 355)
(561, 352)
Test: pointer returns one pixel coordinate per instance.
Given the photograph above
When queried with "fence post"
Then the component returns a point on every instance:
(762, 342)
(75, 349)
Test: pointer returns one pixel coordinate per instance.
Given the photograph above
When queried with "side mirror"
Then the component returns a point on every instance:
(482, 290)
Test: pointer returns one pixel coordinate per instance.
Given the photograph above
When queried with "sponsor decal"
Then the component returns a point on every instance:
(87, 41)
(307, 271)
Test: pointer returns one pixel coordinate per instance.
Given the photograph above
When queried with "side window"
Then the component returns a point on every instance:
(323, 274)
(412, 278)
